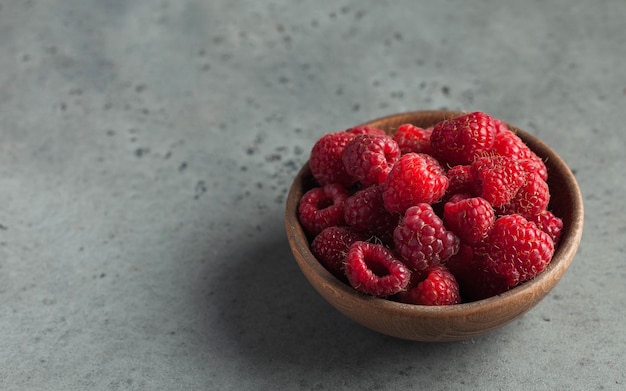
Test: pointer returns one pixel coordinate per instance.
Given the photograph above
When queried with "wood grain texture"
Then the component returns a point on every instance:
(445, 323)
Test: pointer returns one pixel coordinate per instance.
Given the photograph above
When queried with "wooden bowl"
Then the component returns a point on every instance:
(455, 322)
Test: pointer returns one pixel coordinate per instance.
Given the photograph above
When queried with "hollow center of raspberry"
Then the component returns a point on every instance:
(324, 203)
(377, 268)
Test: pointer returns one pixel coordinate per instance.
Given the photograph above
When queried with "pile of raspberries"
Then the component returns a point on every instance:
(448, 214)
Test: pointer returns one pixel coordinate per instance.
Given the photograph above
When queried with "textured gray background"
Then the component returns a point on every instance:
(146, 148)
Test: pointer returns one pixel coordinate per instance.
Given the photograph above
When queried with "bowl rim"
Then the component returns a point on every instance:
(561, 260)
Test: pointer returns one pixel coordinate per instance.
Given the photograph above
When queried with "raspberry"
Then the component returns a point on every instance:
(500, 178)
(331, 246)
(536, 166)
(366, 130)
(322, 207)
(369, 157)
(411, 138)
(461, 180)
(437, 286)
(421, 239)
(500, 126)
(475, 283)
(470, 219)
(549, 223)
(325, 160)
(508, 144)
(389, 220)
(364, 211)
(457, 198)
(416, 178)
(462, 139)
(516, 250)
(375, 270)
(531, 199)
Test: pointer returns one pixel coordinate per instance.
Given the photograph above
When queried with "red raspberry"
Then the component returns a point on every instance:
(322, 207)
(510, 145)
(470, 219)
(325, 161)
(457, 198)
(365, 212)
(411, 138)
(437, 286)
(500, 126)
(331, 246)
(550, 224)
(500, 178)
(421, 239)
(475, 283)
(516, 250)
(416, 178)
(536, 166)
(531, 199)
(366, 130)
(375, 270)
(461, 180)
(369, 157)
(462, 139)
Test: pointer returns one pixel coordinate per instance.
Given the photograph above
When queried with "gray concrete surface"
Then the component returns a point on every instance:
(146, 148)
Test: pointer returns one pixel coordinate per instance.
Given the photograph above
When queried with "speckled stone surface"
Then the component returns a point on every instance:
(146, 148)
